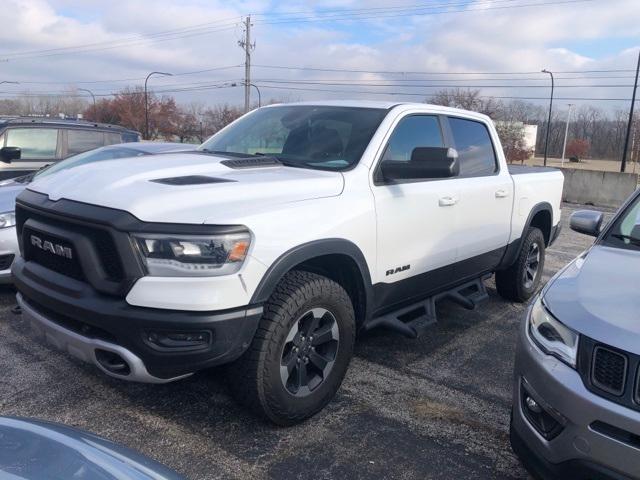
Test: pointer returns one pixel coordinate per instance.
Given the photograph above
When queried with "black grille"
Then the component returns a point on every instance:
(108, 253)
(609, 370)
(101, 239)
(48, 259)
(6, 261)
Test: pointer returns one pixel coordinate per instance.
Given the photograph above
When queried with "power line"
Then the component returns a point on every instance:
(443, 85)
(352, 17)
(423, 72)
(74, 82)
(136, 37)
(396, 7)
(219, 26)
(424, 95)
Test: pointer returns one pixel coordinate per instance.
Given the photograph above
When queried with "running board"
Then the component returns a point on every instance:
(412, 320)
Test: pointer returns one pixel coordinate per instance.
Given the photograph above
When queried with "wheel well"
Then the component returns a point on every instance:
(343, 270)
(542, 220)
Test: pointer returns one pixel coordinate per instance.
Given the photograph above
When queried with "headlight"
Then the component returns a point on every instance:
(7, 219)
(551, 335)
(186, 255)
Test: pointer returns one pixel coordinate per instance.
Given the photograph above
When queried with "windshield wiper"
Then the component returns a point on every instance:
(621, 236)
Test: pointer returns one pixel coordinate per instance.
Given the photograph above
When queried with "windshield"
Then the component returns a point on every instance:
(97, 155)
(328, 138)
(625, 232)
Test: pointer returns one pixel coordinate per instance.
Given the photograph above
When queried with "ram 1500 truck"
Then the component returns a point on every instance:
(275, 242)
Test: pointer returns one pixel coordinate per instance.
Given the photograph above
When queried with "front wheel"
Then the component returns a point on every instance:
(520, 281)
(300, 352)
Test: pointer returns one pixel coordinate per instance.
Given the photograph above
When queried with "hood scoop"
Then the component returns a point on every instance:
(191, 180)
(253, 162)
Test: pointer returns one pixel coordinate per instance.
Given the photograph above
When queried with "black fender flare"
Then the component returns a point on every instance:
(513, 249)
(308, 251)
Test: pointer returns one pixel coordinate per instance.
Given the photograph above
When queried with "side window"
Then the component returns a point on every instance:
(35, 143)
(79, 141)
(413, 131)
(475, 150)
(111, 138)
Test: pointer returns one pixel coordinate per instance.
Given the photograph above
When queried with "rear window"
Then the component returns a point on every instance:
(128, 137)
(79, 141)
(475, 150)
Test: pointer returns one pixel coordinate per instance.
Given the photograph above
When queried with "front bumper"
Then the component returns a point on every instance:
(8, 251)
(76, 318)
(579, 451)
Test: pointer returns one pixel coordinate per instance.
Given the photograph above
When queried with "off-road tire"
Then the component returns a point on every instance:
(511, 282)
(254, 378)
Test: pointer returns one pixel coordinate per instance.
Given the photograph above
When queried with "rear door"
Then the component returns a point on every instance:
(485, 198)
(416, 220)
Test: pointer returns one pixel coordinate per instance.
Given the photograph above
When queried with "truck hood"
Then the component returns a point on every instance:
(598, 295)
(131, 184)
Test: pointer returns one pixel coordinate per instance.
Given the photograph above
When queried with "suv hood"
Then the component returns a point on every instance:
(131, 184)
(598, 295)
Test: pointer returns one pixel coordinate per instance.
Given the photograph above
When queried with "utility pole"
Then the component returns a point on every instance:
(566, 132)
(247, 46)
(546, 141)
(630, 123)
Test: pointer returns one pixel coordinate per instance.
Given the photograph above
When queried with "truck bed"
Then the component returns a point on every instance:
(522, 169)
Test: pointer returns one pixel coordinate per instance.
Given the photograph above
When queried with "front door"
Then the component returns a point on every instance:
(416, 220)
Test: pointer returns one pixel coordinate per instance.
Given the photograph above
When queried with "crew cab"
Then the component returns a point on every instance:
(276, 241)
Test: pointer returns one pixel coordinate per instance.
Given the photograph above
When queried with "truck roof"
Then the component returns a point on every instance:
(17, 120)
(385, 105)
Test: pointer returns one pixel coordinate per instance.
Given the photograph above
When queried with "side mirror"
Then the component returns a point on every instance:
(587, 222)
(10, 153)
(425, 163)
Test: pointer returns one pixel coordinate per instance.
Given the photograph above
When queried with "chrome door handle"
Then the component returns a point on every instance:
(447, 201)
(502, 193)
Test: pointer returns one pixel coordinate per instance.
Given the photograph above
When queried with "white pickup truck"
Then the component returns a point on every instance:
(275, 242)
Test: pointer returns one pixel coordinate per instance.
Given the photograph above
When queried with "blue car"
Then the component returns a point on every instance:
(37, 450)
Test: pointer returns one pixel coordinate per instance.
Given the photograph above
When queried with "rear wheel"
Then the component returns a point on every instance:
(300, 352)
(520, 281)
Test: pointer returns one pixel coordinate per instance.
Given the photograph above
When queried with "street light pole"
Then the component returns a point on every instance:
(146, 102)
(95, 112)
(259, 95)
(546, 141)
(633, 101)
(566, 132)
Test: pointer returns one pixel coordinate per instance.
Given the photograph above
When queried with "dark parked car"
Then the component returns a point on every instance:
(30, 143)
(37, 450)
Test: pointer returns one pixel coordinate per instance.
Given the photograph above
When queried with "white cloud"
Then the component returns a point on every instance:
(517, 39)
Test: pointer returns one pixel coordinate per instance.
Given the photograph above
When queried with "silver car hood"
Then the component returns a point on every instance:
(598, 295)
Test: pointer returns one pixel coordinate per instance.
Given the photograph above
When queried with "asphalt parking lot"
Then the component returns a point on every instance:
(435, 407)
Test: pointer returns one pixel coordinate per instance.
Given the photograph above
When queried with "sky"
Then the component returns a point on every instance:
(310, 50)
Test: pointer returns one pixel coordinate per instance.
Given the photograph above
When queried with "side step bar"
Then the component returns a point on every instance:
(410, 321)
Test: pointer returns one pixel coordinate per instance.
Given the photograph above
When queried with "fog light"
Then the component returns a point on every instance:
(178, 340)
(542, 419)
(532, 404)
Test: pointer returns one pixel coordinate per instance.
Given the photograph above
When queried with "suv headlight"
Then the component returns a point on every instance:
(551, 336)
(7, 219)
(192, 255)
